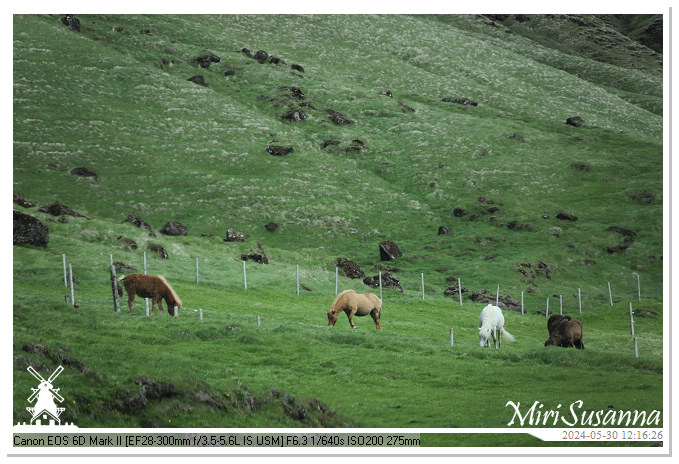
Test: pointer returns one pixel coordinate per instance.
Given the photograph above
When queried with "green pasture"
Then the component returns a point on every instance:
(115, 98)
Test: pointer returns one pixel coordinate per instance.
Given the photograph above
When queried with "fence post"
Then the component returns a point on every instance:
(196, 271)
(639, 286)
(176, 311)
(610, 295)
(631, 319)
(70, 278)
(422, 286)
(547, 310)
(245, 277)
(579, 301)
(497, 295)
(200, 313)
(114, 288)
(259, 321)
(298, 280)
(522, 312)
(146, 300)
(336, 279)
(63, 256)
(451, 337)
(459, 290)
(380, 284)
(561, 304)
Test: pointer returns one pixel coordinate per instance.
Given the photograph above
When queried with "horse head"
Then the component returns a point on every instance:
(332, 317)
(484, 335)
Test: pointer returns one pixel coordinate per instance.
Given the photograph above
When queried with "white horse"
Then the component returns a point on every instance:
(491, 324)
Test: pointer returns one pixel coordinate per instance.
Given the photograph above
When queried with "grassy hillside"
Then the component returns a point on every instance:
(115, 97)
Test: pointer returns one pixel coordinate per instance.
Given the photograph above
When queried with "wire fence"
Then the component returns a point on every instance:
(243, 275)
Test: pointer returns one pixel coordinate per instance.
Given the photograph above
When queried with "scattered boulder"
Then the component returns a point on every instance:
(278, 150)
(459, 212)
(533, 271)
(21, 201)
(297, 67)
(355, 146)
(174, 229)
(199, 79)
(444, 230)
(71, 22)
(29, 230)
(234, 236)
(628, 234)
(566, 217)
(158, 249)
(454, 290)
(137, 221)
(460, 101)
(349, 268)
(85, 172)
(338, 118)
(129, 243)
(261, 56)
(271, 226)
(504, 301)
(389, 250)
(389, 280)
(258, 256)
(330, 143)
(122, 267)
(206, 60)
(59, 209)
(294, 115)
(575, 121)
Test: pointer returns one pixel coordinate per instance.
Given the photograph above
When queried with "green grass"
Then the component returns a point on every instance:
(167, 149)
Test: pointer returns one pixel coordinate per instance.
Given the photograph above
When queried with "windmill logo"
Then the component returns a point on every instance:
(45, 408)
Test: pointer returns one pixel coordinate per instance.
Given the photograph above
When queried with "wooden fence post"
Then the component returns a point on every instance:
(610, 294)
(63, 256)
(245, 277)
(459, 289)
(579, 301)
(70, 278)
(451, 337)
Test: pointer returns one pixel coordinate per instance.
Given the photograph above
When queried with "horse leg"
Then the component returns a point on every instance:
(351, 317)
(130, 302)
(499, 338)
(376, 317)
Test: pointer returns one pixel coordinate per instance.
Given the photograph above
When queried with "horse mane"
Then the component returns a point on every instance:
(172, 292)
(338, 298)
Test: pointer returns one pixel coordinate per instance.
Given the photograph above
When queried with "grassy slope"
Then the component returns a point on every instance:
(102, 99)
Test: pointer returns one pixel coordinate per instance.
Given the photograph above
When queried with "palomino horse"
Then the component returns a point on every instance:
(355, 304)
(154, 287)
(491, 324)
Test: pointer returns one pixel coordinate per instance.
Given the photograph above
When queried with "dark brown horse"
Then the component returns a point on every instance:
(154, 287)
(568, 333)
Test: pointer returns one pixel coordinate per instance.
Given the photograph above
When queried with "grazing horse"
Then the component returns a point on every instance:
(568, 333)
(154, 287)
(554, 322)
(359, 304)
(491, 324)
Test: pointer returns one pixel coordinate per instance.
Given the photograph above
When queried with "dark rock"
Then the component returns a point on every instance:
(581, 167)
(40, 350)
(389, 280)
(258, 256)
(234, 236)
(355, 146)
(247, 52)
(389, 250)
(626, 232)
(349, 268)
(294, 115)
(72, 22)
(261, 56)
(297, 67)
(229, 72)
(444, 230)
(206, 60)
(295, 92)
(206, 398)
(154, 389)
(174, 229)
(516, 225)
(122, 267)
(566, 217)
(575, 121)
(504, 301)
(387, 93)
(85, 172)
(137, 221)
(617, 248)
(158, 249)
(278, 150)
(459, 212)
(271, 226)
(405, 108)
(199, 79)
(460, 101)
(59, 209)
(533, 271)
(338, 118)
(274, 60)
(454, 290)
(21, 201)
(330, 143)
(129, 243)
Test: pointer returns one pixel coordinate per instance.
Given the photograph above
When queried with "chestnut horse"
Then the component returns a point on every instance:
(355, 304)
(154, 287)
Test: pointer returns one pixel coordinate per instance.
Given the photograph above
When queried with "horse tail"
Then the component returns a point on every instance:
(507, 336)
